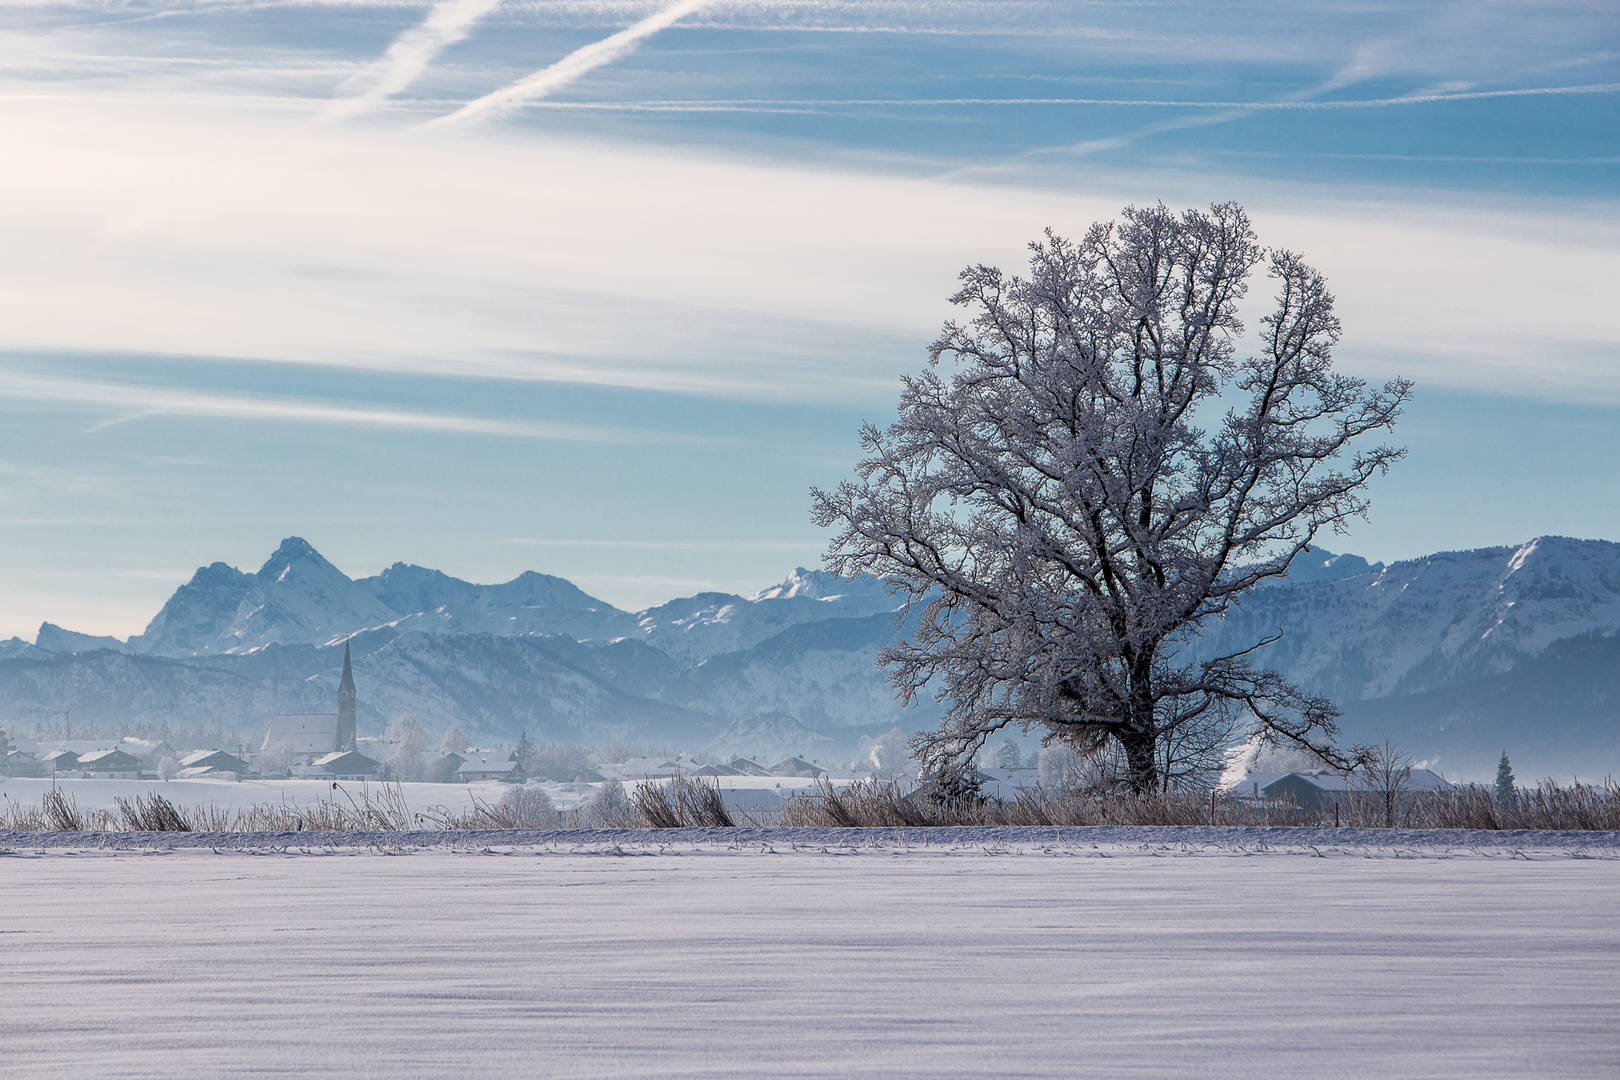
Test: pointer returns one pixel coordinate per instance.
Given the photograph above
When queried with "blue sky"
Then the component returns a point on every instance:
(601, 289)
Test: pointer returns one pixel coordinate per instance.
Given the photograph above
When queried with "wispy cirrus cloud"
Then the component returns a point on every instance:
(768, 104)
(448, 22)
(574, 66)
(126, 402)
(710, 545)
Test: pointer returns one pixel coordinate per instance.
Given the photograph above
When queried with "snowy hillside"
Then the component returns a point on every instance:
(433, 602)
(696, 628)
(1418, 625)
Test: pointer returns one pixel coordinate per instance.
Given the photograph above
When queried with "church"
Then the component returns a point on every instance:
(323, 744)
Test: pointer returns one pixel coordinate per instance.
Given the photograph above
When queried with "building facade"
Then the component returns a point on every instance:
(307, 736)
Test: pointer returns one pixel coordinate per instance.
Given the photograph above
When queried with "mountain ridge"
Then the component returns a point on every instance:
(1411, 646)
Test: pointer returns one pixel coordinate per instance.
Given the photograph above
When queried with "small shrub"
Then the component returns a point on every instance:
(608, 808)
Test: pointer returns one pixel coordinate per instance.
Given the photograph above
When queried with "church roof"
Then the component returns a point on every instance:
(307, 733)
(347, 682)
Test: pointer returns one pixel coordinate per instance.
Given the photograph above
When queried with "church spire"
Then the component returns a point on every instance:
(345, 722)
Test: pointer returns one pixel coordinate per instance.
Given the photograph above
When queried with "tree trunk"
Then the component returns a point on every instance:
(1140, 758)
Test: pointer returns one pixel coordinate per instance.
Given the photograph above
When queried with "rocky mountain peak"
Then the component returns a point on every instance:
(818, 585)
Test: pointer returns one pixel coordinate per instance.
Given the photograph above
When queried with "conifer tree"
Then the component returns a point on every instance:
(1505, 791)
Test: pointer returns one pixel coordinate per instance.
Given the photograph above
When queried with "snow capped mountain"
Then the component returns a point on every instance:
(821, 585)
(1417, 625)
(54, 640)
(1460, 654)
(297, 596)
(693, 629)
(1322, 565)
(198, 615)
(434, 602)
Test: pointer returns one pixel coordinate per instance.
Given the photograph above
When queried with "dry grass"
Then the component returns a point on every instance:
(1579, 807)
(685, 801)
(61, 811)
(883, 803)
(151, 813)
(380, 809)
(690, 801)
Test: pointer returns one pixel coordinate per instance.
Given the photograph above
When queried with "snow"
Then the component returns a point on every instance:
(699, 957)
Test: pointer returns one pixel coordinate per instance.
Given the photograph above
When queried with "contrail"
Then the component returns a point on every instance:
(801, 104)
(570, 67)
(409, 56)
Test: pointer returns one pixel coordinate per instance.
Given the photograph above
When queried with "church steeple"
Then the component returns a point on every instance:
(345, 713)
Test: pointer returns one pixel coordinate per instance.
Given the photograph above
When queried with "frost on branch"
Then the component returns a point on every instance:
(1063, 499)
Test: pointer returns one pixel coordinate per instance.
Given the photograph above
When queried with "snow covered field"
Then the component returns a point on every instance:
(826, 953)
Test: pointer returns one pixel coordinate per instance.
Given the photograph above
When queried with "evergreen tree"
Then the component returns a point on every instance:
(524, 755)
(1008, 755)
(1505, 791)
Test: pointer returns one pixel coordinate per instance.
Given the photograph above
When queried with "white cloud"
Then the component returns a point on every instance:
(207, 233)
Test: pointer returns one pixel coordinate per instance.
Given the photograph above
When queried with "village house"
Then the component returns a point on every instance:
(211, 764)
(107, 765)
(1320, 789)
(343, 765)
(479, 766)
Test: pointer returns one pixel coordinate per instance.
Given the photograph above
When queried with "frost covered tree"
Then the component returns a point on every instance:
(609, 807)
(1008, 756)
(453, 742)
(273, 760)
(1089, 470)
(890, 756)
(1505, 791)
(408, 743)
(524, 808)
(1061, 768)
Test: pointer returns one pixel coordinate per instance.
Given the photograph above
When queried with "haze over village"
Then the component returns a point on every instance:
(672, 537)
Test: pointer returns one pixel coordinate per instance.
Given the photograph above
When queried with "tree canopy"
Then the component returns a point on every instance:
(1088, 470)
